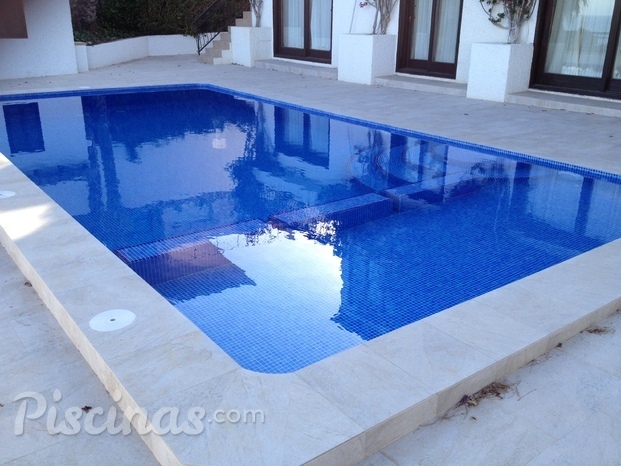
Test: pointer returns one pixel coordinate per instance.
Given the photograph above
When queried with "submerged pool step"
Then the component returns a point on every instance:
(173, 258)
(431, 191)
(345, 213)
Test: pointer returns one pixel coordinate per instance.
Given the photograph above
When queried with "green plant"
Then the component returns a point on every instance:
(509, 14)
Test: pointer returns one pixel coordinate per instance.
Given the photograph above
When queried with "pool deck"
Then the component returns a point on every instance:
(353, 404)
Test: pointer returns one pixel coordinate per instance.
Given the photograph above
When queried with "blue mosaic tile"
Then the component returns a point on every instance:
(345, 213)
(157, 248)
(177, 257)
(431, 191)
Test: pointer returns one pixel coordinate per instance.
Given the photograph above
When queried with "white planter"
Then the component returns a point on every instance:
(497, 70)
(363, 57)
(250, 44)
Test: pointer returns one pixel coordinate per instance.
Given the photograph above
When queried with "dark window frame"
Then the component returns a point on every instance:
(405, 64)
(605, 86)
(305, 54)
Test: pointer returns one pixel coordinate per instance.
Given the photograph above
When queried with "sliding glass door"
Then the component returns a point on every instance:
(579, 47)
(303, 29)
(429, 37)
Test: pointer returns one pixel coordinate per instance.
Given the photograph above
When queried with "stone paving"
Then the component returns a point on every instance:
(37, 356)
(562, 408)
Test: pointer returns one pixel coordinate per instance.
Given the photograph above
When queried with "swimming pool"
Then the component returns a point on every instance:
(287, 236)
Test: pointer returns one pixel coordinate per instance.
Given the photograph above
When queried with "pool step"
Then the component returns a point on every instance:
(173, 258)
(431, 191)
(345, 213)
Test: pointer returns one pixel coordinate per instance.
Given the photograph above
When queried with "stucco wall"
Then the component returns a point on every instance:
(49, 49)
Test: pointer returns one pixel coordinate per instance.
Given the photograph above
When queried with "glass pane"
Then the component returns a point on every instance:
(616, 72)
(293, 23)
(321, 24)
(579, 37)
(421, 30)
(445, 50)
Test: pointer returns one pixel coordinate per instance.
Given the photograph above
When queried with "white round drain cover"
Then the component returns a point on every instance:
(5, 194)
(114, 319)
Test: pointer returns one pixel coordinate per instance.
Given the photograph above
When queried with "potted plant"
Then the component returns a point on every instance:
(363, 57)
(509, 14)
(500, 69)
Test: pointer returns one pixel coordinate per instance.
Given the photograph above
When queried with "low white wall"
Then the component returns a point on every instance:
(125, 50)
(49, 49)
(171, 45)
(118, 51)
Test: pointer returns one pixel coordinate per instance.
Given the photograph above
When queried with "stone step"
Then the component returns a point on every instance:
(173, 258)
(416, 83)
(226, 58)
(210, 52)
(568, 102)
(224, 36)
(221, 44)
(302, 69)
(245, 20)
(341, 214)
(217, 57)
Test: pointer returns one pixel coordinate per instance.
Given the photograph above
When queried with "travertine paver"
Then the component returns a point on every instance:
(560, 409)
(37, 356)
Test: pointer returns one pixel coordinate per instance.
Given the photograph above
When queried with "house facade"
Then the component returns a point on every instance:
(568, 45)
(575, 43)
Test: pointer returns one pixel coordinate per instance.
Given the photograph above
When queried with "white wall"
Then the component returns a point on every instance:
(49, 49)
(267, 17)
(171, 45)
(348, 17)
(125, 50)
(118, 51)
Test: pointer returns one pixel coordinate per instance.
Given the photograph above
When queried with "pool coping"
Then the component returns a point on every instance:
(338, 410)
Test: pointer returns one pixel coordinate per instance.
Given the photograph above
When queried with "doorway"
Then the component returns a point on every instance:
(578, 47)
(303, 29)
(429, 37)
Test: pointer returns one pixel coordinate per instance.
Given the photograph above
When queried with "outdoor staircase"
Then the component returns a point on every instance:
(219, 50)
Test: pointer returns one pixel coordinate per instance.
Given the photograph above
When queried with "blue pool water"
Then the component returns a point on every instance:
(287, 236)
